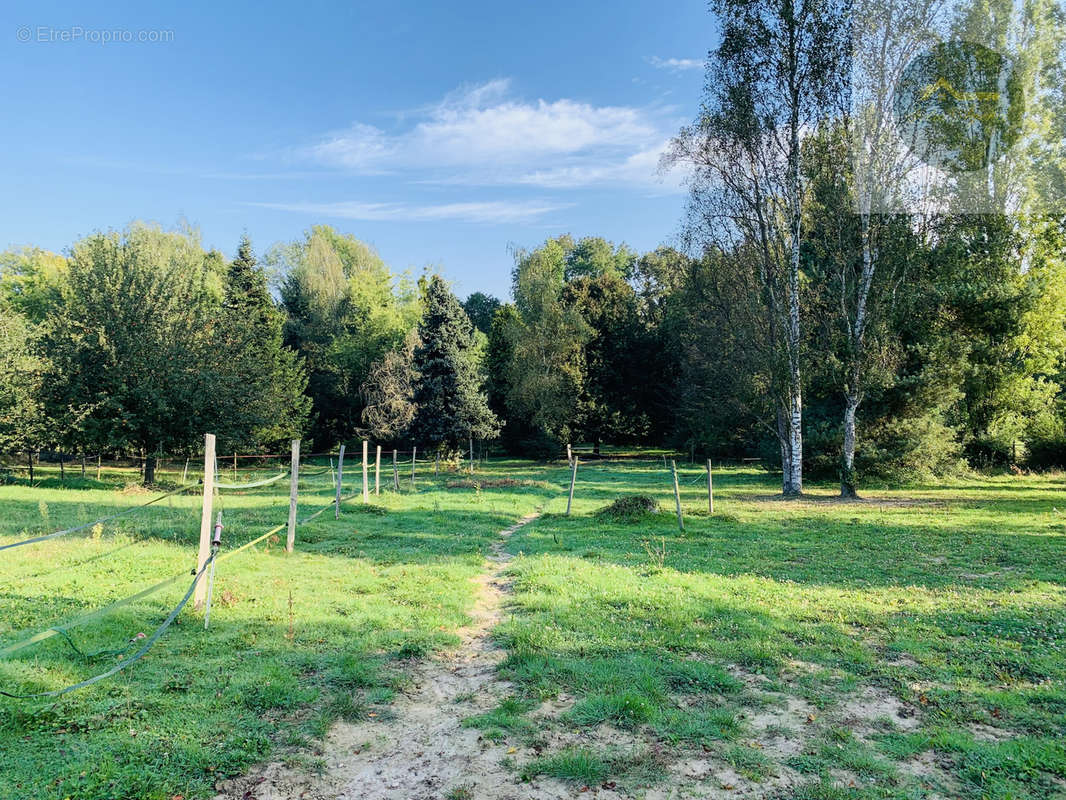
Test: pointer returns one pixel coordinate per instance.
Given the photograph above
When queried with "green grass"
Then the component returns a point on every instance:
(951, 599)
(296, 641)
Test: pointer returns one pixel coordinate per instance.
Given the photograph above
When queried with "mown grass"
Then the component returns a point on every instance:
(296, 640)
(950, 598)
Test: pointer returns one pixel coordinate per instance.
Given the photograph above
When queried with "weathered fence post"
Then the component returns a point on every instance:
(185, 472)
(395, 473)
(366, 479)
(83, 467)
(471, 455)
(62, 470)
(206, 519)
(234, 467)
(294, 494)
(98, 465)
(332, 474)
(436, 464)
(710, 489)
(377, 471)
(340, 480)
(569, 454)
(573, 480)
(414, 458)
(677, 497)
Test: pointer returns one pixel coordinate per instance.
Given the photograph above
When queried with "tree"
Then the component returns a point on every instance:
(260, 365)
(546, 340)
(389, 392)
(129, 345)
(344, 310)
(23, 422)
(450, 405)
(618, 359)
(775, 76)
(481, 308)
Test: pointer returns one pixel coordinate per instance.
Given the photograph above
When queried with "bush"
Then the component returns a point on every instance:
(628, 508)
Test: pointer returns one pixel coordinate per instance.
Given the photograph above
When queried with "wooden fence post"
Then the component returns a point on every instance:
(332, 474)
(83, 467)
(62, 470)
(185, 472)
(234, 467)
(436, 464)
(471, 455)
(206, 519)
(395, 473)
(377, 471)
(366, 479)
(414, 458)
(294, 494)
(710, 489)
(569, 454)
(98, 464)
(340, 480)
(573, 480)
(677, 497)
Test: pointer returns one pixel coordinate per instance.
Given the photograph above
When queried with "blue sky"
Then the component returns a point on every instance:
(441, 133)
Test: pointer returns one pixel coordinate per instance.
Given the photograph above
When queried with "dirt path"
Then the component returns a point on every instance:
(423, 752)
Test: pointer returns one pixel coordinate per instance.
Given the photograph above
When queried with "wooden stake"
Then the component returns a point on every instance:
(573, 480)
(677, 497)
(83, 467)
(471, 455)
(436, 463)
(395, 473)
(62, 470)
(366, 479)
(234, 467)
(569, 454)
(294, 494)
(414, 458)
(710, 489)
(377, 471)
(97, 466)
(340, 481)
(332, 474)
(185, 472)
(206, 518)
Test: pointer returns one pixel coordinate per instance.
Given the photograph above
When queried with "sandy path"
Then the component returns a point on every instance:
(423, 752)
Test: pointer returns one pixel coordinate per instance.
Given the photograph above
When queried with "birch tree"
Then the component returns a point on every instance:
(777, 75)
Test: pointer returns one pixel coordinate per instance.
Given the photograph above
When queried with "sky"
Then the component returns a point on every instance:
(444, 134)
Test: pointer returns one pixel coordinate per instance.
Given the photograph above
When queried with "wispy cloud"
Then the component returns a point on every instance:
(482, 135)
(675, 64)
(486, 212)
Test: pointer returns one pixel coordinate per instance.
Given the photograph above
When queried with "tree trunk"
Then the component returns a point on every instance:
(847, 467)
(853, 391)
(149, 470)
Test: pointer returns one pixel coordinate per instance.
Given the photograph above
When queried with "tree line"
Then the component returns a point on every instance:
(812, 313)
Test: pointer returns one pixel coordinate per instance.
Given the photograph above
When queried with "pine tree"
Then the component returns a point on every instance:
(268, 378)
(451, 405)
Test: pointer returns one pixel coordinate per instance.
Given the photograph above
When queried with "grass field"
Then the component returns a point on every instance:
(911, 645)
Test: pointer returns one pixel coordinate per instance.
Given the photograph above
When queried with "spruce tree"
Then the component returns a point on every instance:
(450, 403)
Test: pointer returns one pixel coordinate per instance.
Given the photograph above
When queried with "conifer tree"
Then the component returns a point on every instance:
(451, 405)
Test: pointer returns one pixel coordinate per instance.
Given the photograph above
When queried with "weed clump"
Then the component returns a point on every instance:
(627, 509)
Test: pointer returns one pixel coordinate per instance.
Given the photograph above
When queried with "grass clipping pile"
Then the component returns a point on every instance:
(630, 509)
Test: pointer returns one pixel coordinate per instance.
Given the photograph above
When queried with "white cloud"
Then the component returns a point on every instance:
(481, 135)
(525, 211)
(675, 64)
